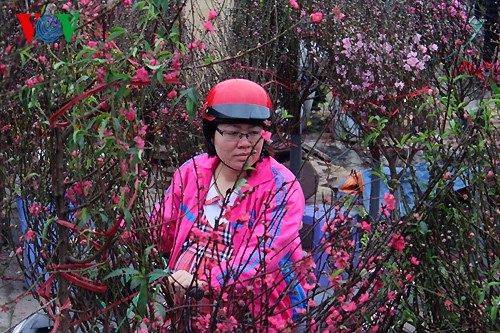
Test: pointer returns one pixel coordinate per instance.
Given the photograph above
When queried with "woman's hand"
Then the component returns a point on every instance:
(182, 281)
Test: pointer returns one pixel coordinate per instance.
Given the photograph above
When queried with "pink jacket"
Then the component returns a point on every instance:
(275, 202)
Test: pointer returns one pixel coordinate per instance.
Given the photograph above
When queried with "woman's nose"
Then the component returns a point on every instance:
(244, 141)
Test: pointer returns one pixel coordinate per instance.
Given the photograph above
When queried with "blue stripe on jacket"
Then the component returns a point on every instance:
(190, 216)
(297, 294)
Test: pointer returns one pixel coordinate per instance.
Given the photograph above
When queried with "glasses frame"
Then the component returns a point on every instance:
(240, 135)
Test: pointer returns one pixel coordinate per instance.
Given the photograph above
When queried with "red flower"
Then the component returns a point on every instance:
(366, 226)
(212, 15)
(363, 298)
(337, 13)
(172, 94)
(36, 209)
(397, 242)
(316, 17)
(130, 116)
(265, 135)
(30, 235)
(389, 201)
(349, 307)
(209, 27)
(141, 74)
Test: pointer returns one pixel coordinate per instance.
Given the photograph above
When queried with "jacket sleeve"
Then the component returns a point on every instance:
(166, 213)
(269, 243)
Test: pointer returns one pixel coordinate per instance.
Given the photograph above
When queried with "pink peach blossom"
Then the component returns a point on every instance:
(389, 201)
(30, 235)
(265, 135)
(349, 307)
(172, 94)
(397, 242)
(130, 116)
(36, 209)
(212, 15)
(141, 74)
(316, 17)
(366, 226)
(209, 27)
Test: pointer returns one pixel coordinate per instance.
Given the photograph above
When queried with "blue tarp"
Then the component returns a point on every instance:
(422, 178)
(316, 216)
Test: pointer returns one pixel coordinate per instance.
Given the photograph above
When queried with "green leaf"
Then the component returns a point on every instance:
(118, 77)
(156, 274)
(85, 217)
(87, 51)
(25, 54)
(403, 140)
(147, 46)
(123, 91)
(139, 4)
(128, 216)
(122, 271)
(78, 137)
(135, 282)
(59, 64)
(46, 227)
(102, 127)
(286, 115)
(116, 32)
(423, 227)
(494, 87)
(462, 76)
(154, 67)
(161, 310)
(191, 108)
(142, 301)
(337, 273)
(192, 101)
(157, 77)
(174, 35)
(240, 184)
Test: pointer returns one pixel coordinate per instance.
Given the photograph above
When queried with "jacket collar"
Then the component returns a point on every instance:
(263, 170)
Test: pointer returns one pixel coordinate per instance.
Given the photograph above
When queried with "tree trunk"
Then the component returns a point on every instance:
(57, 171)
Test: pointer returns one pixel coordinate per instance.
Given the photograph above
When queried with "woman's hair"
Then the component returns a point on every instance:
(209, 128)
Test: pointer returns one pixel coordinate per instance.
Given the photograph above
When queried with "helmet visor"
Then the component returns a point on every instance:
(238, 111)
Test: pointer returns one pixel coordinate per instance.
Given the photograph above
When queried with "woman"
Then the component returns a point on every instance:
(231, 218)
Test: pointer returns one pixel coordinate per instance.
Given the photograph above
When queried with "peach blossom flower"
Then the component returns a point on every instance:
(265, 135)
(316, 17)
(212, 15)
(209, 27)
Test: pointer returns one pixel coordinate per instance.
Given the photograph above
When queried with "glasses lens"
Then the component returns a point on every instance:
(254, 136)
(236, 136)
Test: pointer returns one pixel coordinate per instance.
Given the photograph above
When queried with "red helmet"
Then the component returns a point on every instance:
(237, 99)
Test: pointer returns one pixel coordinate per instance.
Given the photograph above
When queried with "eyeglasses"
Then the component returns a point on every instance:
(252, 136)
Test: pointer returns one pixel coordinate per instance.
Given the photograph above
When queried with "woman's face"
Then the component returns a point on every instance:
(238, 145)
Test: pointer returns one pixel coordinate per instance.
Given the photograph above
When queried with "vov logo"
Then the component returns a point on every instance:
(48, 27)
